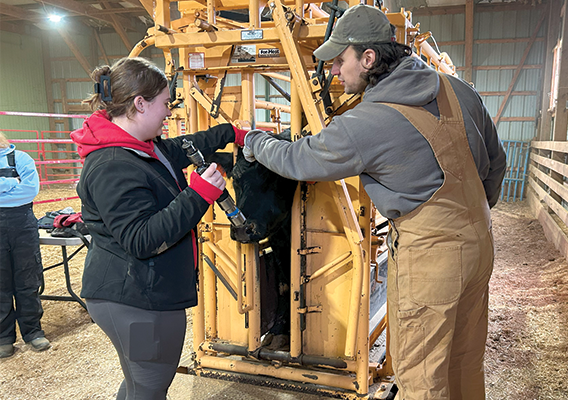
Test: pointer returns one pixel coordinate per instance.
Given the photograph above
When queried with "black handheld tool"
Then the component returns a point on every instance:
(225, 201)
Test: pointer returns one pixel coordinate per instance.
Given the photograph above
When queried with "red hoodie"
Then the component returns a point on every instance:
(99, 132)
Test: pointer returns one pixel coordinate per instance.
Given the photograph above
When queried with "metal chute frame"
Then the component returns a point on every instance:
(332, 222)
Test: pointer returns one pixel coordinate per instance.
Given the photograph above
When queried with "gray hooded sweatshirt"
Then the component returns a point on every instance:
(394, 161)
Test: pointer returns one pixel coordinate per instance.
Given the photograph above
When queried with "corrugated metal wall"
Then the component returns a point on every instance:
(22, 62)
(492, 50)
(22, 86)
(446, 28)
(65, 65)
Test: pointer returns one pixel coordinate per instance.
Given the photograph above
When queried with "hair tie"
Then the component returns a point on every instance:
(99, 88)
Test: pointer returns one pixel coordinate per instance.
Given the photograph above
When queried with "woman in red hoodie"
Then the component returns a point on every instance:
(140, 270)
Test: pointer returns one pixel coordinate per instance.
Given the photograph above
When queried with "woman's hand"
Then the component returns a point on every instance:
(214, 177)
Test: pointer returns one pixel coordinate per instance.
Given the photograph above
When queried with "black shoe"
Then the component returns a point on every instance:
(40, 344)
(6, 350)
(276, 342)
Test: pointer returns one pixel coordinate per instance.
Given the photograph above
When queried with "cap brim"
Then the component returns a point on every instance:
(329, 50)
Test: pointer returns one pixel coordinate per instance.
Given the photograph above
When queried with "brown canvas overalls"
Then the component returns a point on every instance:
(441, 259)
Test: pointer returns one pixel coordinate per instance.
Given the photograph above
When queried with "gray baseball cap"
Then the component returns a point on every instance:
(358, 25)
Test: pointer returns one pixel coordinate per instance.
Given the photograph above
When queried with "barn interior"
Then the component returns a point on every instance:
(298, 300)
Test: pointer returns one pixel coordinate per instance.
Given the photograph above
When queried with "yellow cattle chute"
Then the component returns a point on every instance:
(332, 247)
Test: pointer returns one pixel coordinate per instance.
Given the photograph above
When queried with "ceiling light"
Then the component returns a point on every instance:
(54, 18)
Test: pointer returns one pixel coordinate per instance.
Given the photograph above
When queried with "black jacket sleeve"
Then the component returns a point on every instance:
(208, 142)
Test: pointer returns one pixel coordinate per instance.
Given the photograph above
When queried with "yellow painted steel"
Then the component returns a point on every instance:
(252, 282)
(277, 76)
(253, 293)
(331, 252)
(230, 272)
(266, 105)
(287, 373)
(209, 287)
(338, 263)
(244, 304)
(298, 216)
(298, 70)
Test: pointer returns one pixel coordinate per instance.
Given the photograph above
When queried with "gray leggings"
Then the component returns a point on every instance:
(148, 343)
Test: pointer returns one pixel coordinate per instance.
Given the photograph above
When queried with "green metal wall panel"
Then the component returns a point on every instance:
(22, 86)
(498, 25)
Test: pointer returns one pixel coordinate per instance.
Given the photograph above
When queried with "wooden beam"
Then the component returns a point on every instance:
(75, 50)
(561, 118)
(512, 6)
(63, 90)
(100, 44)
(518, 119)
(69, 101)
(469, 12)
(504, 67)
(554, 165)
(551, 229)
(429, 11)
(32, 16)
(519, 68)
(561, 147)
(16, 12)
(558, 187)
(118, 27)
(18, 28)
(488, 41)
(526, 93)
(71, 79)
(554, 181)
(480, 8)
(93, 46)
(88, 11)
(507, 40)
(123, 10)
(78, 108)
(544, 128)
(47, 78)
(148, 5)
(451, 43)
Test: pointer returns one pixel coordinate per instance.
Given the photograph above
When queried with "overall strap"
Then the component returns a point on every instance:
(446, 136)
(423, 120)
(10, 172)
(448, 103)
(11, 159)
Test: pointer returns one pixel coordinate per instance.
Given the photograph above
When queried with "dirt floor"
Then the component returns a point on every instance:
(527, 347)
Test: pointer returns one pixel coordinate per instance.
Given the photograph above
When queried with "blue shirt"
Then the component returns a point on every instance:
(12, 192)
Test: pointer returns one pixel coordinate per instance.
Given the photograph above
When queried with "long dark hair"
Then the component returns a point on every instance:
(129, 77)
(387, 57)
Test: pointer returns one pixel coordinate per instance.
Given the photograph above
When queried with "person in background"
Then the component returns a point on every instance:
(140, 270)
(428, 155)
(20, 257)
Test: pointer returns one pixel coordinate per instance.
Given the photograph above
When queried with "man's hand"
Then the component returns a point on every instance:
(249, 155)
(247, 150)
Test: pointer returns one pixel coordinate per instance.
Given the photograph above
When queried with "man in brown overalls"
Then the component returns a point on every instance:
(428, 155)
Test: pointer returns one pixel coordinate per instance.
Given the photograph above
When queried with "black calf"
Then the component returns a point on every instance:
(265, 199)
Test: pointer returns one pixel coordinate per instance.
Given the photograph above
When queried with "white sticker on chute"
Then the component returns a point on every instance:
(268, 53)
(196, 60)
